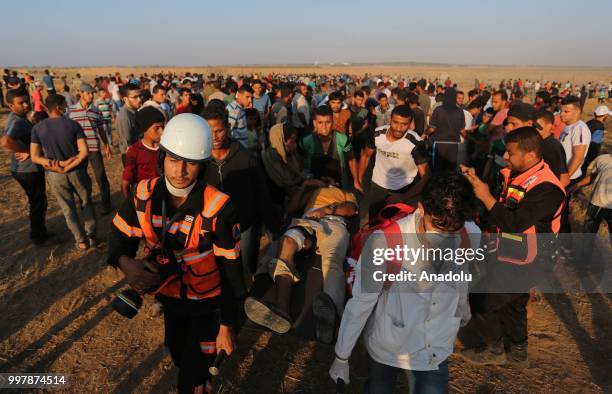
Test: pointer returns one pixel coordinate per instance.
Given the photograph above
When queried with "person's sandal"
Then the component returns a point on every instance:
(266, 315)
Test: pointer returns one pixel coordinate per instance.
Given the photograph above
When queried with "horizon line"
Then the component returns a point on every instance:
(323, 64)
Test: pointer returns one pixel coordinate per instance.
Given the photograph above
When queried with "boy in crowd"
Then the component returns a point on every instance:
(30, 176)
(341, 115)
(104, 105)
(142, 158)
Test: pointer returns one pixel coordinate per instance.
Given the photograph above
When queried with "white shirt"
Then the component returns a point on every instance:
(395, 165)
(469, 119)
(300, 105)
(114, 91)
(574, 135)
(601, 169)
(410, 325)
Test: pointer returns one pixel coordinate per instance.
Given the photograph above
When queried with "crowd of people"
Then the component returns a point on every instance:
(210, 163)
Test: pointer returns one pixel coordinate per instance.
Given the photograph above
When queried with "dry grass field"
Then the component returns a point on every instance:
(55, 314)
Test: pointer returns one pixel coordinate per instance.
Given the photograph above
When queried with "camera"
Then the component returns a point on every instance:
(129, 301)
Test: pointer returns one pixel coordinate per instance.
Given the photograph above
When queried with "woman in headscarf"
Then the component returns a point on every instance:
(446, 126)
(282, 162)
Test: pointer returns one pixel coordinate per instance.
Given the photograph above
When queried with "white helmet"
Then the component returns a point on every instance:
(187, 137)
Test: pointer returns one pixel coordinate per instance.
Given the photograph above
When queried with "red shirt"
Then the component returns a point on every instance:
(558, 127)
(182, 109)
(140, 163)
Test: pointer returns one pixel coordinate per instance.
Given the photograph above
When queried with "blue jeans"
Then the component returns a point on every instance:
(382, 378)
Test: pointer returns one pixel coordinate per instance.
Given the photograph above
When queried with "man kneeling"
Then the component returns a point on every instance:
(324, 225)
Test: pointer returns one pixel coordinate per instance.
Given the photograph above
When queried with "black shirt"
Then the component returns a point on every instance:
(419, 120)
(447, 122)
(327, 163)
(537, 208)
(241, 177)
(554, 155)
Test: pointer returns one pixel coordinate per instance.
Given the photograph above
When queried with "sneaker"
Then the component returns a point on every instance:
(486, 355)
(517, 355)
(324, 311)
(267, 315)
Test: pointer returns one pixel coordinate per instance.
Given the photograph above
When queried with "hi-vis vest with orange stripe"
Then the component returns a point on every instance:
(522, 248)
(200, 275)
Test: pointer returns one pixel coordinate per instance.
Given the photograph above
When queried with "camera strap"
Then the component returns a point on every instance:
(166, 225)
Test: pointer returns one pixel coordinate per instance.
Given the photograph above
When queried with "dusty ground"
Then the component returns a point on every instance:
(56, 318)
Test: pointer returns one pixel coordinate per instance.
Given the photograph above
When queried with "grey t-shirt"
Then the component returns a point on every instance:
(126, 128)
(20, 128)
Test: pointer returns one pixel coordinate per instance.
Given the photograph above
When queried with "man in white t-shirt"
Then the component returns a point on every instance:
(401, 168)
(113, 88)
(575, 138)
(301, 109)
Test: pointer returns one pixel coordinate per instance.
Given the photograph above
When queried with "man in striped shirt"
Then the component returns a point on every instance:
(92, 122)
(237, 116)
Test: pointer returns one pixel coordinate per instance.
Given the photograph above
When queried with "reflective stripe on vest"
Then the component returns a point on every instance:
(201, 278)
(514, 191)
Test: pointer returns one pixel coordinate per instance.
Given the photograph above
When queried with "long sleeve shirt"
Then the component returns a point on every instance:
(408, 325)
(124, 240)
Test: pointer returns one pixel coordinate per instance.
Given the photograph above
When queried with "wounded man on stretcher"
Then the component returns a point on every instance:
(323, 227)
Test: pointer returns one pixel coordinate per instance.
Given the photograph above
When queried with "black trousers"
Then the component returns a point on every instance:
(377, 197)
(33, 183)
(501, 316)
(97, 165)
(596, 215)
(191, 341)
(446, 157)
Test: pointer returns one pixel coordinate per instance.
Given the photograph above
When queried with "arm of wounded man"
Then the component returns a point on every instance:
(366, 291)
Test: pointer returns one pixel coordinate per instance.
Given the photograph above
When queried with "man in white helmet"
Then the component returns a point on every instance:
(196, 229)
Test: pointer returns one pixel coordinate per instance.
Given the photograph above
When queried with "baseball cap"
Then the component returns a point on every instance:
(87, 88)
(602, 110)
(522, 111)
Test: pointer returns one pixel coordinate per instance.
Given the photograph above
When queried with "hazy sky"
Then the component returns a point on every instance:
(190, 33)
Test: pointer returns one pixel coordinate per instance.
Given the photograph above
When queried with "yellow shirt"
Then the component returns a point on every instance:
(327, 196)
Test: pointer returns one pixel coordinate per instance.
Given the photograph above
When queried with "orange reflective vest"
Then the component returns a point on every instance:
(522, 248)
(200, 276)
